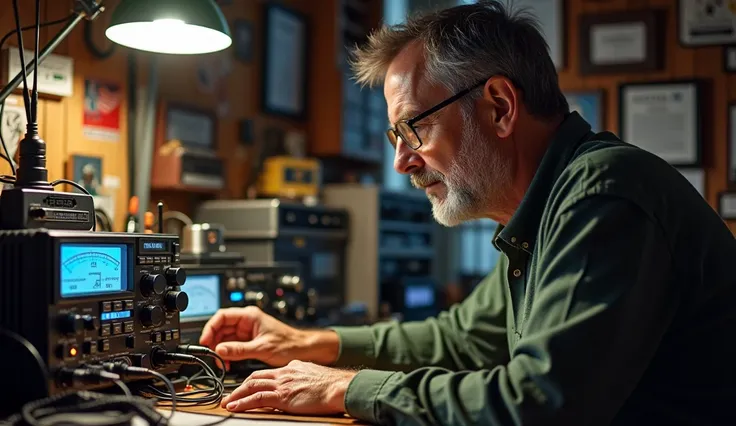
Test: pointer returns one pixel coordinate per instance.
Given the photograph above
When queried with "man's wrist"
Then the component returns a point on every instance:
(322, 346)
(339, 389)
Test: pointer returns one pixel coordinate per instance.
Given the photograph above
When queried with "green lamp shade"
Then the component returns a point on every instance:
(170, 26)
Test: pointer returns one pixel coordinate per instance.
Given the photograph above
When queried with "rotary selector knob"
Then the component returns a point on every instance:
(152, 316)
(153, 284)
(176, 301)
(91, 323)
(71, 323)
(176, 276)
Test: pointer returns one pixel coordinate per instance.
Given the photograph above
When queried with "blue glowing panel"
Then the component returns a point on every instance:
(106, 316)
(93, 269)
(204, 296)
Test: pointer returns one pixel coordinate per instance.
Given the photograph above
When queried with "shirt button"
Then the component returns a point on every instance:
(517, 273)
(513, 239)
(525, 245)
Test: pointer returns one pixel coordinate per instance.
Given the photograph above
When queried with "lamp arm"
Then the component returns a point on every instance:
(84, 9)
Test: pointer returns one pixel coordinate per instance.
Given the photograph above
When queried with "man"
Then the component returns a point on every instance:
(614, 301)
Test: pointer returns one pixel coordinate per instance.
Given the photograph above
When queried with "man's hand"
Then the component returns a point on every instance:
(249, 333)
(298, 388)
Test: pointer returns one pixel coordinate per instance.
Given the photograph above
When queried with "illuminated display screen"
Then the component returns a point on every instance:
(153, 245)
(93, 269)
(418, 297)
(204, 296)
(105, 316)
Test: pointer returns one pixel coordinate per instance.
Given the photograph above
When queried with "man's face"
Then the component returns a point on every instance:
(460, 165)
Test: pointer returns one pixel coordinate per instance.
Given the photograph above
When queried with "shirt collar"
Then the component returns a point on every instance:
(521, 231)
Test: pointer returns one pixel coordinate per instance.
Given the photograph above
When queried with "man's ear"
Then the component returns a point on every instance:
(504, 100)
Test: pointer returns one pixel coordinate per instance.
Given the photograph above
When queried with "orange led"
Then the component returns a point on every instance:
(72, 351)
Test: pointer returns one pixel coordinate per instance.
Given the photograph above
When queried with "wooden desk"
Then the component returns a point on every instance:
(265, 415)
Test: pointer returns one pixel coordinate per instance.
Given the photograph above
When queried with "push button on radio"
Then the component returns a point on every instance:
(90, 347)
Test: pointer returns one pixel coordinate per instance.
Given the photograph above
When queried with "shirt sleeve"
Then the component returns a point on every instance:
(601, 306)
(471, 334)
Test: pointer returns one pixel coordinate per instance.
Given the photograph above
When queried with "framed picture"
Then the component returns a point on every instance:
(284, 89)
(732, 144)
(621, 42)
(706, 22)
(551, 17)
(663, 118)
(589, 104)
(727, 205)
(243, 40)
(729, 59)
(87, 172)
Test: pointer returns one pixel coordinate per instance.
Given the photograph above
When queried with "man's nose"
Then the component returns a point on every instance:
(406, 160)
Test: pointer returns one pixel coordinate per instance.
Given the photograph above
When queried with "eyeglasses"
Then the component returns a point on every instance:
(405, 129)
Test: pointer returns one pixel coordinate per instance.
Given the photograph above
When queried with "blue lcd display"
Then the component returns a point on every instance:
(93, 269)
(106, 316)
(204, 296)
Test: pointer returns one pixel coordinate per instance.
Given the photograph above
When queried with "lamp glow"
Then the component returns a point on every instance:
(167, 26)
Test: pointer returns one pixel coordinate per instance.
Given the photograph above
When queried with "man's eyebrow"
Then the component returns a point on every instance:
(406, 115)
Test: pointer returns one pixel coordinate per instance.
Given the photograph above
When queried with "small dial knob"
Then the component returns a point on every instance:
(91, 323)
(176, 276)
(71, 323)
(153, 284)
(176, 301)
(256, 298)
(152, 316)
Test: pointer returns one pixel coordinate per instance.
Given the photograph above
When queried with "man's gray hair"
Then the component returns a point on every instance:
(467, 44)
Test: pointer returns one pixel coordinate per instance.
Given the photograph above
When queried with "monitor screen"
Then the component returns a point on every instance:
(204, 296)
(93, 269)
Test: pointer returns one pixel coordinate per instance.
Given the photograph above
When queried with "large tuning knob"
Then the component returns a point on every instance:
(153, 284)
(176, 301)
(176, 276)
(152, 316)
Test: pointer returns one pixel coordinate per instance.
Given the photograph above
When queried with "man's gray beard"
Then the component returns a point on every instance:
(476, 182)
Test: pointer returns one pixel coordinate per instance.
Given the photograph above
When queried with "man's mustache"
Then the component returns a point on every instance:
(426, 178)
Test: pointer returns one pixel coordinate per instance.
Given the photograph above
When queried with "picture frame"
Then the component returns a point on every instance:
(243, 40)
(590, 104)
(621, 42)
(664, 118)
(551, 17)
(731, 147)
(727, 205)
(729, 59)
(86, 170)
(705, 23)
(284, 66)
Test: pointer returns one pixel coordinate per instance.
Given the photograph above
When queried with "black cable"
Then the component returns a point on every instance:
(81, 188)
(34, 94)
(19, 33)
(204, 351)
(90, 42)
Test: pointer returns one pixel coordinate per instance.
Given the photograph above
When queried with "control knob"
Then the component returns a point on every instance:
(91, 323)
(256, 298)
(176, 301)
(71, 323)
(153, 284)
(176, 276)
(152, 316)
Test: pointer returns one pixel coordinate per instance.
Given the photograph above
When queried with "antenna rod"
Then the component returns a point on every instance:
(24, 71)
(34, 94)
(160, 217)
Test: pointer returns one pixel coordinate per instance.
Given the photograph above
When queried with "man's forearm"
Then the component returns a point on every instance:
(468, 335)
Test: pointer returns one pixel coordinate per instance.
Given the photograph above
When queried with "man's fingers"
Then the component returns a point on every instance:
(249, 387)
(267, 399)
(222, 318)
(236, 351)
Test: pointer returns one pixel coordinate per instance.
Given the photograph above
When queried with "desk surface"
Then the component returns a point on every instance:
(258, 417)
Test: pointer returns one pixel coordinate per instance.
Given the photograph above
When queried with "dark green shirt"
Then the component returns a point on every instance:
(614, 302)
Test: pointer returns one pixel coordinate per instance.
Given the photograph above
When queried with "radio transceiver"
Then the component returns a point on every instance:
(79, 298)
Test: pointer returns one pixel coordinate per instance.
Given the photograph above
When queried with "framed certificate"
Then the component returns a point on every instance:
(621, 42)
(663, 118)
(706, 22)
(727, 205)
(589, 104)
(284, 90)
